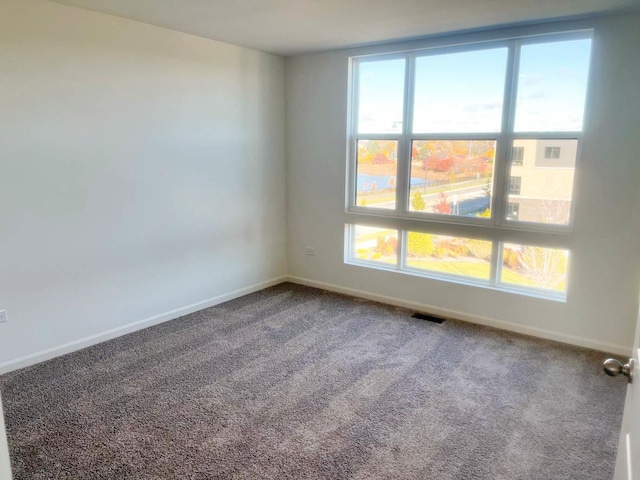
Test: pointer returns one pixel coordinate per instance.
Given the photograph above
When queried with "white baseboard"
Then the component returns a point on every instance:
(50, 353)
(490, 322)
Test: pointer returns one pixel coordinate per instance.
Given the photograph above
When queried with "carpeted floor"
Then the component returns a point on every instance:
(298, 383)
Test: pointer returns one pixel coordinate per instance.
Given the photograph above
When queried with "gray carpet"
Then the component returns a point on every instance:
(298, 383)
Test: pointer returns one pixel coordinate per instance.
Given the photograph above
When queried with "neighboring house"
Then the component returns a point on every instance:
(541, 180)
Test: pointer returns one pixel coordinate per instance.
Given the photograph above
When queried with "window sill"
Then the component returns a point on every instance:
(560, 297)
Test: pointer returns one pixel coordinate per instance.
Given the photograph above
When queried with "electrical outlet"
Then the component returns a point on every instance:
(310, 251)
(3, 316)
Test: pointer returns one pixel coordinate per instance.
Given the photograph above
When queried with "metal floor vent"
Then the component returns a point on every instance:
(431, 318)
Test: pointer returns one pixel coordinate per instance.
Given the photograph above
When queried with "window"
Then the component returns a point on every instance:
(537, 267)
(523, 268)
(552, 152)
(443, 101)
(376, 173)
(381, 93)
(378, 245)
(515, 185)
(451, 177)
(447, 255)
(432, 160)
(517, 155)
(546, 185)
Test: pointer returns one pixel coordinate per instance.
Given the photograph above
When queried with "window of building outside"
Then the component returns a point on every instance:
(512, 211)
(473, 185)
(552, 152)
(515, 184)
(517, 155)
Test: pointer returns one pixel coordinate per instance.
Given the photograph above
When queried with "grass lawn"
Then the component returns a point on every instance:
(474, 269)
(463, 266)
(471, 268)
(364, 254)
(374, 235)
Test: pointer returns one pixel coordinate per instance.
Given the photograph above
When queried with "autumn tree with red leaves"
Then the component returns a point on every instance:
(442, 206)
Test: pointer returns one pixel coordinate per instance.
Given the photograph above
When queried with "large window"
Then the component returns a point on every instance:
(468, 148)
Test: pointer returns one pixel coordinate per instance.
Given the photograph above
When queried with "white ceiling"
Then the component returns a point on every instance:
(289, 27)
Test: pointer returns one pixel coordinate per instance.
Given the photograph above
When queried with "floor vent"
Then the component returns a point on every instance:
(431, 318)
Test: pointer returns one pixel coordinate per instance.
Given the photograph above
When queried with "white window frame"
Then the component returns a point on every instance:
(494, 282)
(497, 229)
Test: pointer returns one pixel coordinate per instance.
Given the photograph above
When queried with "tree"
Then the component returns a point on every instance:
(438, 164)
(417, 202)
(442, 206)
(546, 267)
(376, 151)
(479, 248)
(420, 245)
(380, 159)
(386, 245)
(480, 165)
(486, 188)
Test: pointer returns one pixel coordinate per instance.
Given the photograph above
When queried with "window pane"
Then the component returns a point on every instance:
(460, 92)
(538, 267)
(552, 85)
(375, 244)
(450, 255)
(452, 177)
(381, 96)
(541, 185)
(376, 174)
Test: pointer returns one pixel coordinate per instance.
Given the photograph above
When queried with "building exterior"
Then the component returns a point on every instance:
(541, 180)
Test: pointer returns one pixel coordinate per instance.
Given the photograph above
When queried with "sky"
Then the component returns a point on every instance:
(463, 92)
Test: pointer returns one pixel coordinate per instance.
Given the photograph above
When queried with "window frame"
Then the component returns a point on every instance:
(494, 282)
(504, 138)
(498, 228)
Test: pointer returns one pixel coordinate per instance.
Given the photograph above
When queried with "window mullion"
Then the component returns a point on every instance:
(505, 140)
(496, 262)
(402, 249)
(404, 144)
(353, 130)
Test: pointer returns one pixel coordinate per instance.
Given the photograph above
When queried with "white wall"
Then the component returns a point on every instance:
(141, 171)
(604, 278)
